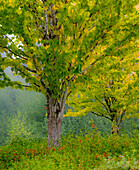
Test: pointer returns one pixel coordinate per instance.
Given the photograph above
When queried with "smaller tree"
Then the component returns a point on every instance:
(19, 126)
(111, 92)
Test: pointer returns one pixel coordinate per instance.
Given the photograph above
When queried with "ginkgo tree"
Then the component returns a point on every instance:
(112, 92)
(50, 43)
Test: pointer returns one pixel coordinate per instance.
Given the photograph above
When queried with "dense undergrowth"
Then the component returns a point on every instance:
(92, 151)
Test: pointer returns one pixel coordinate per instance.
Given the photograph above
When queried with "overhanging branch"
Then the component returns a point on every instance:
(27, 76)
(16, 47)
(14, 53)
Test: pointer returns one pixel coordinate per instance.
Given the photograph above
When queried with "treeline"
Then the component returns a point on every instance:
(23, 113)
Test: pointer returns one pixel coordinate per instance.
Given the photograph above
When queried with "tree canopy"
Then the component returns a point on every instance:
(57, 39)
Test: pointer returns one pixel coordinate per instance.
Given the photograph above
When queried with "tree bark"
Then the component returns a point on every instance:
(55, 114)
(54, 130)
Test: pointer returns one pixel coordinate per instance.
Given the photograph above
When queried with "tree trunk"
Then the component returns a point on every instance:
(115, 127)
(115, 130)
(118, 122)
(55, 114)
(54, 129)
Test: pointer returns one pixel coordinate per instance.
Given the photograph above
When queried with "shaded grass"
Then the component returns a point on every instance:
(79, 152)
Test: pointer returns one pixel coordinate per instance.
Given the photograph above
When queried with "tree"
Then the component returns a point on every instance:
(111, 93)
(18, 126)
(50, 43)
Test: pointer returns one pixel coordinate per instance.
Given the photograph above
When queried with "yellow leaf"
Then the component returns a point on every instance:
(73, 60)
(3, 67)
(22, 39)
(85, 72)
(45, 7)
(54, 8)
(5, 50)
(46, 47)
(128, 116)
(19, 11)
(86, 30)
(105, 31)
(110, 32)
(10, 2)
(60, 39)
(29, 63)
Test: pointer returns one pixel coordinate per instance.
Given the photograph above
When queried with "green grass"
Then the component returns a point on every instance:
(82, 152)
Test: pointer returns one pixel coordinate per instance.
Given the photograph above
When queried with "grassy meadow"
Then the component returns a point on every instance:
(91, 151)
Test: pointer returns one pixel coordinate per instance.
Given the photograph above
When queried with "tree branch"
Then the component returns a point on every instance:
(27, 76)
(90, 65)
(31, 70)
(14, 53)
(121, 120)
(42, 81)
(23, 85)
(106, 100)
(101, 115)
(69, 94)
(102, 104)
(63, 103)
(17, 49)
(46, 24)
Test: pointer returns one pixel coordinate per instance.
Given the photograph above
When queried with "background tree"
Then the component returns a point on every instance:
(111, 93)
(50, 43)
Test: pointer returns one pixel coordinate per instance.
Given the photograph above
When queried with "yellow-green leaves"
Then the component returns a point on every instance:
(62, 42)
(19, 11)
(11, 2)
